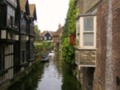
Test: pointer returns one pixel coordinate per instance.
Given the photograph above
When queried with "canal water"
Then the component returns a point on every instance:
(52, 75)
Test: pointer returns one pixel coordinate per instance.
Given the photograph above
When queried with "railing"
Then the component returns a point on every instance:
(85, 57)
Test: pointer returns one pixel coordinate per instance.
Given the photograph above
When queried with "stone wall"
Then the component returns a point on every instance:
(85, 56)
(86, 5)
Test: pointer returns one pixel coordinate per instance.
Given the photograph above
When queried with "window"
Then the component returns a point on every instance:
(86, 27)
(10, 16)
(88, 24)
(1, 57)
(45, 38)
(11, 21)
(77, 33)
(49, 37)
(2, 15)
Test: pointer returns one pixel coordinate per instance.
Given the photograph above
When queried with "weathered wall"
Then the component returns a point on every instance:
(102, 74)
(89, 4)
(87, 77)
(116, 42)
(99, 80)
(86, 5)
(102, 22)
(85, 56)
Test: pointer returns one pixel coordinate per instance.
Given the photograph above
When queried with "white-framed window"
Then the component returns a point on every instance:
(45, 38)
(49, 37)
(86, 28)
(77, 32)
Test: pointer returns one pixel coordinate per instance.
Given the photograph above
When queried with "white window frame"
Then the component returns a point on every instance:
(49, 37)
(81, 30)
(45, 38)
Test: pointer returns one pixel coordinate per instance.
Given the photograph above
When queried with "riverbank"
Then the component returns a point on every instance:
(20, 75)
(43, 74)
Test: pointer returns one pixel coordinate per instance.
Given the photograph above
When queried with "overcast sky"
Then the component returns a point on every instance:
(50, 13)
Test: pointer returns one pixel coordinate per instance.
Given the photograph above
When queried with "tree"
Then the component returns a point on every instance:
(37, 32)
(68, 52)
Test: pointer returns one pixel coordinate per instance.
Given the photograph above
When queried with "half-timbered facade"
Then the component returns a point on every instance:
(16, 37)
(8, 33)
(31, 33)
(22, 19)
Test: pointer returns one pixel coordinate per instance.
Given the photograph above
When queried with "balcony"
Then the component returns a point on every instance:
(85, 57)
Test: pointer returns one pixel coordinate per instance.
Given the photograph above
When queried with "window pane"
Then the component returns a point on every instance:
(88, 39)
(77, 27)
(88, 24)
(45, 38)
(49, 37)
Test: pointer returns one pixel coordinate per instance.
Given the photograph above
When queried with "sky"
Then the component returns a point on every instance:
(50, 13)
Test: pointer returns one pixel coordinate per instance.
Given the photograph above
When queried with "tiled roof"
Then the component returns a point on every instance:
(43, 33)
(51, 33)
(32, 9)
(59, 31)
(22, 4)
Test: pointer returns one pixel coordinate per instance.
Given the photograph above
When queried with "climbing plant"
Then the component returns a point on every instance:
(68, 53)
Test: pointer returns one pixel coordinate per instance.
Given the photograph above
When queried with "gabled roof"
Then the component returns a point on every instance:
(33, 11)
(22, 4)
(43, 33)
(58, 32)
(52, 33)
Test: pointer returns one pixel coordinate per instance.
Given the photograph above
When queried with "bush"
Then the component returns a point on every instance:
(68, 52)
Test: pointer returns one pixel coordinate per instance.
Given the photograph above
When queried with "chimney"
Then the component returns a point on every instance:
(59, 26)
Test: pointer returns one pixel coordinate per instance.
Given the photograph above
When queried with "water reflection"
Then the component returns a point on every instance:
(49, 76)
(50, 80)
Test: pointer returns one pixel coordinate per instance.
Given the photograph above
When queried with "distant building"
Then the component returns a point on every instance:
(57, 36)
(46, 35)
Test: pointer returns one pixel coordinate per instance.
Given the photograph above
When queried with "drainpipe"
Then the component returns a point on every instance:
(109, 84)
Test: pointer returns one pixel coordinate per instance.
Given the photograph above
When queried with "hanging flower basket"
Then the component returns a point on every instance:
(72, 39)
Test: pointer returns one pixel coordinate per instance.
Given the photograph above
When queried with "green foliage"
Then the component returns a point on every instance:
(42, 47)
(36, 32)
(69, 81)
(68, 53)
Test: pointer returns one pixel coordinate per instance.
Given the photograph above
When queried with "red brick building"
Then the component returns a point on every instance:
(107, 73)
(107, 68)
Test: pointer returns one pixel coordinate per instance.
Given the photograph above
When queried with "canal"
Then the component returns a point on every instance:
(52, 75)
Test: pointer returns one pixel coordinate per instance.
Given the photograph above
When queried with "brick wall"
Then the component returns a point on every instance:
(99, 80)
(102, 17)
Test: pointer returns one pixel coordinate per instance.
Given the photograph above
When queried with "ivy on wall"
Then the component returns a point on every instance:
(68, 52)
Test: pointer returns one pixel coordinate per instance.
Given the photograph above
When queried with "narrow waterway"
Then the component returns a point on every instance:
(50, 75)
